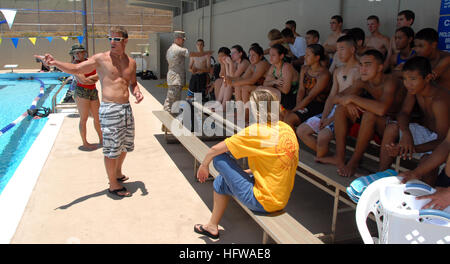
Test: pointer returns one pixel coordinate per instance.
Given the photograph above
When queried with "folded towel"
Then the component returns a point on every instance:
(358, 186)
(353, 196)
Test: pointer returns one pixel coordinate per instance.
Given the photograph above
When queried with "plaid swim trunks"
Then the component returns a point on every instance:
(89, 94)
(117, 124)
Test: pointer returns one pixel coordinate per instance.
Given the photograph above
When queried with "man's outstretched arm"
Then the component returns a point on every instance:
(86, 66)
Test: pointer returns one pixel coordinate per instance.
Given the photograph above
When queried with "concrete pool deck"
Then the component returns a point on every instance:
(70, 202)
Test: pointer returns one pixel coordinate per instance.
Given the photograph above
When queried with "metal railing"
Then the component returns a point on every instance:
(57, 92)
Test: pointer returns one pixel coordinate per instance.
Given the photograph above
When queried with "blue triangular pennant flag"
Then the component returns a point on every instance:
(80, 39)
(15, 41)
(49, 39)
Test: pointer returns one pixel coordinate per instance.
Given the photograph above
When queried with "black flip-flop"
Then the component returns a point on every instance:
(116, 192)
(123, 178)
(202, 231)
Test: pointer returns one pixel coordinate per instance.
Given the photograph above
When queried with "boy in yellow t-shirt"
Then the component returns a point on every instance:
(272, 152)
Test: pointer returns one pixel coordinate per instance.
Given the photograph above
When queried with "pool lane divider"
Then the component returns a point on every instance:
(25, 114)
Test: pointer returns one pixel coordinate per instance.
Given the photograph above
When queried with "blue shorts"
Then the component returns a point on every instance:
(234, 181)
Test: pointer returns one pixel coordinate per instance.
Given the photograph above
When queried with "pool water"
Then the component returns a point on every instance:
(16, 96)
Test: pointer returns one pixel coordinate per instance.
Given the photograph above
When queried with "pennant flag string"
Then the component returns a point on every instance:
(33, 40)
(80, 39)
(9, 15)
(15, 41)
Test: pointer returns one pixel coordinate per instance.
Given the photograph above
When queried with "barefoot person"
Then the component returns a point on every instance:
(117, 75)
(272, 151)
(86, 97)
(417, 139)
(313, 89)
(374, 109)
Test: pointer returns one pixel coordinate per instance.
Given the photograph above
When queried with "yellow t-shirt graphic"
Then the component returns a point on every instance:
(272, 153)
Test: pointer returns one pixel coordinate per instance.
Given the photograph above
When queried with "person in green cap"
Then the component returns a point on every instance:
(86, 97)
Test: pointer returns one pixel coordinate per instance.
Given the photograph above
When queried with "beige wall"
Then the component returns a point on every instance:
(356, 12)
(245, 22)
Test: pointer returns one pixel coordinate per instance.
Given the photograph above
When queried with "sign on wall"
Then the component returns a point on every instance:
(444, 26)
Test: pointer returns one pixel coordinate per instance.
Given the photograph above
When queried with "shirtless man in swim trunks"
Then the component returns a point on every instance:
(376, 40)
(381, 101)
(200, 67)
(117, 75)
(426, 45)
(416, 139)
(336, 26)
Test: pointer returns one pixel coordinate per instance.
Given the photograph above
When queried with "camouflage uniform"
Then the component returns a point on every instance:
(176, 76)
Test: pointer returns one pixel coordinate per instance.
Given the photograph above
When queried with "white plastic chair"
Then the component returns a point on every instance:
(399, 217)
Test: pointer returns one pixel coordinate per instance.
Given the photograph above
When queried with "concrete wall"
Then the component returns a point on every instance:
(355, 13)
(245, 22)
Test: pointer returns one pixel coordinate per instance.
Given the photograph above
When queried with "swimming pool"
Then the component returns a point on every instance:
(17, 92)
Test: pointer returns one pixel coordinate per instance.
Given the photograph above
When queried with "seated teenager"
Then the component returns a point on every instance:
(336, 24)
(404, 42)
(426, 45)
(343, 77)
(297, 45)
(292, 25)
(313, 37)
(359, 37)
(405, 18)
(314, 88)
(274, 37)
(235, 67)
(199, 67)
(414, 138)
(376, 40)
(239, 61)
(372, 110)
(253, 76)
(272, 151)
(281, 79)
(223, 53)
